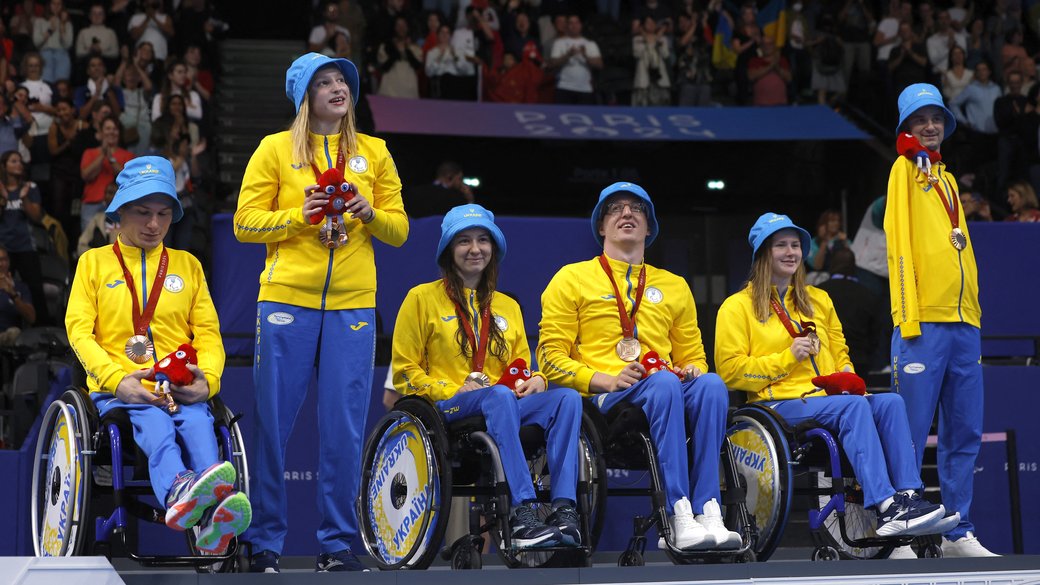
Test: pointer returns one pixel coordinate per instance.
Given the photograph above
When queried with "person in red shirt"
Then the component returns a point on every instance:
(99, 167)
(514, 82)
(769, 75)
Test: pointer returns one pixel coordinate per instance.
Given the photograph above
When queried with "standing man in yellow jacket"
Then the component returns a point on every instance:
(936, 344)
(600, 316)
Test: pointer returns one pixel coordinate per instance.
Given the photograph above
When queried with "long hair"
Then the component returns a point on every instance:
(4, 177)
(299, 131)
(485, 293)
(1026, 193)
(760, 282)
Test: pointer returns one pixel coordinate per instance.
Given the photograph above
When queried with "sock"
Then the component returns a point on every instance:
(562, 502)
(908, 493)
(886, 503)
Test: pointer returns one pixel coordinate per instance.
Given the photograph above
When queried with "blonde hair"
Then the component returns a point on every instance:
(1027, 193)
(299, 132)
(760, 283)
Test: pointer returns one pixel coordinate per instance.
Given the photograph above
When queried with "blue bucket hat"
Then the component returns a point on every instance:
(299, 75)
(624, 187)
(464, 217)
(770, 223)
(141, 177)
(919, 95)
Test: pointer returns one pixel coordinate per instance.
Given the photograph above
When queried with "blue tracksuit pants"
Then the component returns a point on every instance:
(166, 438)
(942, 367)
(290, 342)
(673, 409)
(557, 411)
(874, 434)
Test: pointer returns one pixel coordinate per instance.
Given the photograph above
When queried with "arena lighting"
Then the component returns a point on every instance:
(716, 185)
(471, 181)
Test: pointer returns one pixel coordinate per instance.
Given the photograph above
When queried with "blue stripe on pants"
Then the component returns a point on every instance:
(942, 368)
(289, 346)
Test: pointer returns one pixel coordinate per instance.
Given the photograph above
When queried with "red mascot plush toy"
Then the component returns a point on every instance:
(653, 363)
(839, 383)
(173, 369)
(338, 190)
(515, 375)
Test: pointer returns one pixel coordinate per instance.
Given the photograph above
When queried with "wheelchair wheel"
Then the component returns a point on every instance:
(592, 478)
(405, 494)
(859, 521)
(761, 454)
(61, 478)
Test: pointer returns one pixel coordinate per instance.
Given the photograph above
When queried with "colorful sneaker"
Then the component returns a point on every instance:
(711, 520)
(192, 493)
(264, 561)
(337, 562)
(527, 531)
(908, 515)
(687, 533)
(966, 546)
(223, 522)
(902, 553)
(565, 518)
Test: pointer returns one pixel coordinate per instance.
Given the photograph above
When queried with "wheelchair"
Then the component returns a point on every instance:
(80, 462)
(414, 463)
(627, 445)
(770, 453)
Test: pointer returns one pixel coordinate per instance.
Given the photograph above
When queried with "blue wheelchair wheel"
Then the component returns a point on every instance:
(761, 454)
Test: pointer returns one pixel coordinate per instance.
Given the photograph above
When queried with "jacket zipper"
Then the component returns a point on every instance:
(328, 273)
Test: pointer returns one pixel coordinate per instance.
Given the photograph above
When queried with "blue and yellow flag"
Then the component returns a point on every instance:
(722, 54)
(773, 20)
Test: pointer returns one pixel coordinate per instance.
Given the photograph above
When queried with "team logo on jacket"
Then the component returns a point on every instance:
(914, 368)
(653, 294)
(173, 283)
(501, 323)
(296, 166)
(280, 318)
(358, 164)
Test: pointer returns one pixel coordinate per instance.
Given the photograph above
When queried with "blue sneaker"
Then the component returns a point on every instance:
(908, 515)
(341, 561)
(193, 493)
(527, 531)
(565, 519)
(264, 561)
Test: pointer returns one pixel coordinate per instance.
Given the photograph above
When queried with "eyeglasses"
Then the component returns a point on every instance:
(617, 207)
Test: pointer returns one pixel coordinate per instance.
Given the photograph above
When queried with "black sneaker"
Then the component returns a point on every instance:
(565, 519)
(336, 562)
(908, 515)
(264, 561)
(527, 531)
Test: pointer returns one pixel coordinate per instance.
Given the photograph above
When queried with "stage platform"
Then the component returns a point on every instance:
(1011, 570)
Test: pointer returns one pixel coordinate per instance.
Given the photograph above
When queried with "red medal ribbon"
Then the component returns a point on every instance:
(143, 320)
(479, 351)
(628, 321)
(954, 211)
(807, 326)
(341, 163)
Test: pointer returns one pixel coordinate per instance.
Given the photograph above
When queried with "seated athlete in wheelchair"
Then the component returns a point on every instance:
(455, 342)
(777, 340)
(599, 318)
(131, 303)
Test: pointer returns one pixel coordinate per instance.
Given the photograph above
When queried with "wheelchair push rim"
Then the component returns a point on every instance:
(59, 486)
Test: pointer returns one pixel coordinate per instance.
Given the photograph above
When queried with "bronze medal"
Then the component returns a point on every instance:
(479, 377)
(139, 349)
(332, 233)
(628, 349)
(958, 239)
(814, 342)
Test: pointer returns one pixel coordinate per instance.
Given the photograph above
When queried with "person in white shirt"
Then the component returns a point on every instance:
(97, 39)
(576, 57)
(152, 26)
(940, 43)
(53, 37)
(323, 33)
(175, 83)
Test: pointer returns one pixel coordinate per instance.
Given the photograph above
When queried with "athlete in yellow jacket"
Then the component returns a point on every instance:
(936, 343)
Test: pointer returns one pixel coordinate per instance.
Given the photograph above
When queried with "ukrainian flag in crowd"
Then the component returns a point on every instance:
(722, 54)
(773, 20)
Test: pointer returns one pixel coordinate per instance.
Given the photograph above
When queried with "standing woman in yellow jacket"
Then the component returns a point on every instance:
(317, 298)
(455, 337)
(937, 341)
(761, 348)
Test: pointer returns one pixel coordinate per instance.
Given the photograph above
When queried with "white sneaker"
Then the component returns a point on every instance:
(966, 546)
(902, 552)
(687, 533)
(711, 520)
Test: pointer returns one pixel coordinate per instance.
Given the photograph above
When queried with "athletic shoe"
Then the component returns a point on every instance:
(908, 515)
(264, 561)
(946, 524)
(339, 562)
(687, 533)
(527, 531)
(711, 520)
(565, 519)
(966, 546)
(192, 493)
(223, 522)
(902, 553)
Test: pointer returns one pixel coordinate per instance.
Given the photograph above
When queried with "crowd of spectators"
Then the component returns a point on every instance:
(84, 88)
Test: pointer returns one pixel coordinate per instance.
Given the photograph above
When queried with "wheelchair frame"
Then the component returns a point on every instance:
(86, 438)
